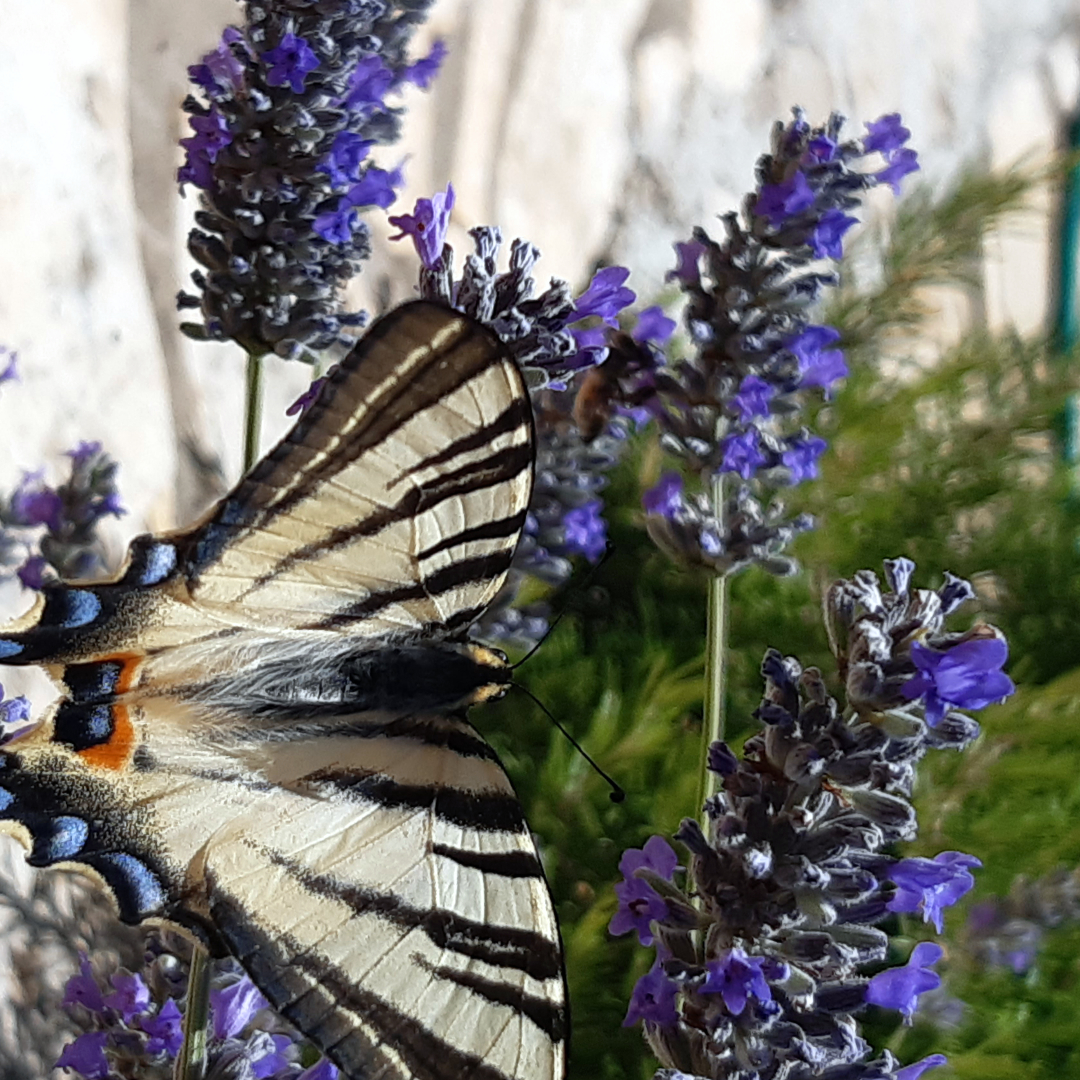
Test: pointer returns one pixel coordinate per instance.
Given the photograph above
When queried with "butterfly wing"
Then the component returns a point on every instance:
(377, 880)
(373, 872)
(395, 504)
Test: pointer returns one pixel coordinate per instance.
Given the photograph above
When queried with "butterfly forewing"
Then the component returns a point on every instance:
(371, 870)
(396, 502)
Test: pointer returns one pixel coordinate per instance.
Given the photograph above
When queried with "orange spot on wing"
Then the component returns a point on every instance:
(129, 668)
(117, 752)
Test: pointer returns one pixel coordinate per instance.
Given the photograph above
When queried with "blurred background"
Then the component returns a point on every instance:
(602, 131)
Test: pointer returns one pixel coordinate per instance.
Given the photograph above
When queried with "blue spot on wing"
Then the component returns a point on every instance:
(67, 608)
(83, 607)
(9, 648)
(57, 839)
(159, 561)
(82, 726)
(151, 561)
(6, 799)
(138, 890)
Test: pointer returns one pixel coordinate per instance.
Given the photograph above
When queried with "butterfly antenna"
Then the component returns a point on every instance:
(593, 571)
(617, 794)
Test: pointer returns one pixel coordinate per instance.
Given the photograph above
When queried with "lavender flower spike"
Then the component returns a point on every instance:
(790, 870)
(734, 406)
(286, 110)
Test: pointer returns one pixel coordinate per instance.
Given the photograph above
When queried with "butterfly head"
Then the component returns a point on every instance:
(494, 661)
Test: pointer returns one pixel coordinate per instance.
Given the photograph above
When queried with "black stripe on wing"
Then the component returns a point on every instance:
(512, 864)
(484, 812)
(500, 946)
(546, 1015)
(464, 572)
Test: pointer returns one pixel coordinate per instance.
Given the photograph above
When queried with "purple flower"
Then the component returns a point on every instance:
(653, 1000)
(307, 398)
(165, 1030)
(10, 373)
(82, 989)
(606, 296)
(32, 572)
(653, 325)
(753, 398)
(742, 453)
(592, 350)
(35, 503)
(427, 225)
(913, 1072)
(899, 988)
(86, 1055)
(376, 188)
(639, 905)
(109, 504)
(84, 453)
(968, 676)
(639, 902)
(220, 72)
(290, 63)
(13, 712)
(818, 365)
(777, 202)
(820, 149)
(426, 68)
(336, 226)
(735, 978)
(370, 83)
(931, 885)
(801, 457)
(687, 255)
(585, 531)
(657, 854)
(886, 134)
(211, 136)
(342, 163)
(232, 1008)
(131, 996)
(665, 498)
(269, 1054)
(826, 239)
(902, 163)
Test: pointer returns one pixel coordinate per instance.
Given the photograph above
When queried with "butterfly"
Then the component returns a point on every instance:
(261, 734)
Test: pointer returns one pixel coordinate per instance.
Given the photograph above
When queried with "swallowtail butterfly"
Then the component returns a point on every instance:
(261, 734)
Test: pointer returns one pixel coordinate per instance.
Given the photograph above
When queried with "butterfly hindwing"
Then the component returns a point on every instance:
(371, 869)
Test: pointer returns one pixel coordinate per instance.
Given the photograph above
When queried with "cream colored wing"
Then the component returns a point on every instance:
(376, 878)
(394, 504)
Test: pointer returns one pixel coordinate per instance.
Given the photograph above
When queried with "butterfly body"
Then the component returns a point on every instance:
(261, 733)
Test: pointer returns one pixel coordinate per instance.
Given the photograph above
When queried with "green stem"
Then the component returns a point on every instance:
(191, 1061)
(715, 655)
(252, 409)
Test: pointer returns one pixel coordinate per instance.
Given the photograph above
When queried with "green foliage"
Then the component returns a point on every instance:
(957, 466)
